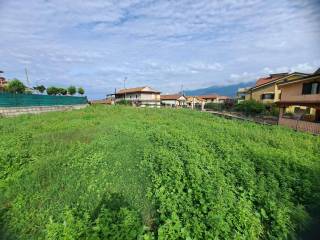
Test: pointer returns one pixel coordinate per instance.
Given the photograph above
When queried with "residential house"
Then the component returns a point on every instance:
(214, 98)
(300, 103)
(241, 94)
(194, 101)
(140, 96)
(3, 82)
(266, 89)
(222, 99)
(209, 98)
(174, 100)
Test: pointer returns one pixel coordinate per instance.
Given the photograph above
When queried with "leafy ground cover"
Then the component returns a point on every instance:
(131, 173)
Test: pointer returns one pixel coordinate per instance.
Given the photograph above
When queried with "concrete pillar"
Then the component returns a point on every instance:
(202, 106)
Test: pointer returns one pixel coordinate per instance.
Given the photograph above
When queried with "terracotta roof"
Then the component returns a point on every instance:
(213, 96)
(275, 78)
(265, 80)
(170, 97)
(223, 97)
(137, 90)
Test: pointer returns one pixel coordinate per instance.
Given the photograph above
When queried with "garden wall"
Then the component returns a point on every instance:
(31, 100)
(14, 111)
(16, 104)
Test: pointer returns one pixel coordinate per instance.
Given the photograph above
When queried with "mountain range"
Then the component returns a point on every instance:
(228, 90)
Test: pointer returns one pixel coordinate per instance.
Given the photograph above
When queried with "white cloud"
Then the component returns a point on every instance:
(160, 43)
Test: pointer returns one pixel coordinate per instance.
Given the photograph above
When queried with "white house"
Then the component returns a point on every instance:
(140, 96)
(175, 100)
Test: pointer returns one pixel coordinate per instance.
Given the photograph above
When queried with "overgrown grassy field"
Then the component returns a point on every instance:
(129, 173)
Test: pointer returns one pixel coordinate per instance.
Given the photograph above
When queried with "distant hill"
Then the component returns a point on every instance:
(229, 90)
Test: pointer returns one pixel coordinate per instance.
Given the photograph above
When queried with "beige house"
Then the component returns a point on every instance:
(214, 98)
(300, 103)
(241, 94)
(174, 100)
(266, 89)
(209, 98)
(140, 96)
(194, 101)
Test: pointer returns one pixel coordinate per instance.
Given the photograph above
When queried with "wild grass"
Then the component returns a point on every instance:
(128, 173)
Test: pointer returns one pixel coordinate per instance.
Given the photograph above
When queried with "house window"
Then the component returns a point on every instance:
(311, 88)
(267, 96)
(308, 110)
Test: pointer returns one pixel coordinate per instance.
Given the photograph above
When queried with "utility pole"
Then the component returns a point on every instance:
(124, 86)
(27, 76)
(181, 89)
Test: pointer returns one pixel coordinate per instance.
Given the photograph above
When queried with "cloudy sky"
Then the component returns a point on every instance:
(161, 43)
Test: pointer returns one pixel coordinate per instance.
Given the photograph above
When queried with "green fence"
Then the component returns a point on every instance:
(29, 100)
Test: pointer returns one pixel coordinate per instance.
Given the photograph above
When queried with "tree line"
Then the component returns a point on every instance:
(16, 86)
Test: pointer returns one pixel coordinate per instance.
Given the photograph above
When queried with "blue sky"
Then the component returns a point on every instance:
(161, 43)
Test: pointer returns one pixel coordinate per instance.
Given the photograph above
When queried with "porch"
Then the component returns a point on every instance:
(301, 116)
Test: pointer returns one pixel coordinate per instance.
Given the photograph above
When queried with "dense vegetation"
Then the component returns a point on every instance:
(128, 173)
(247, 107)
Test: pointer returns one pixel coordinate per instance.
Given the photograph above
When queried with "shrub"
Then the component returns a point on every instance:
(15, 86)
(250, 107)
(214, 106)
(72, 90)
(272, 110)
(124, 102)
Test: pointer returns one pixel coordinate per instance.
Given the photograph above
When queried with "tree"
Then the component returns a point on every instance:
(72, 90)
(80, 90)
(62, 91)
(15, 86)
(52, 91)
(40, 88)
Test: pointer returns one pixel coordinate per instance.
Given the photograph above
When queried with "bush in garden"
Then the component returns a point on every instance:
(124, 102)
(214, 106)
(250, 107)
(273, 110)
(229, 104)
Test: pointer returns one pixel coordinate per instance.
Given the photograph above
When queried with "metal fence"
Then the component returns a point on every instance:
(29, 100)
